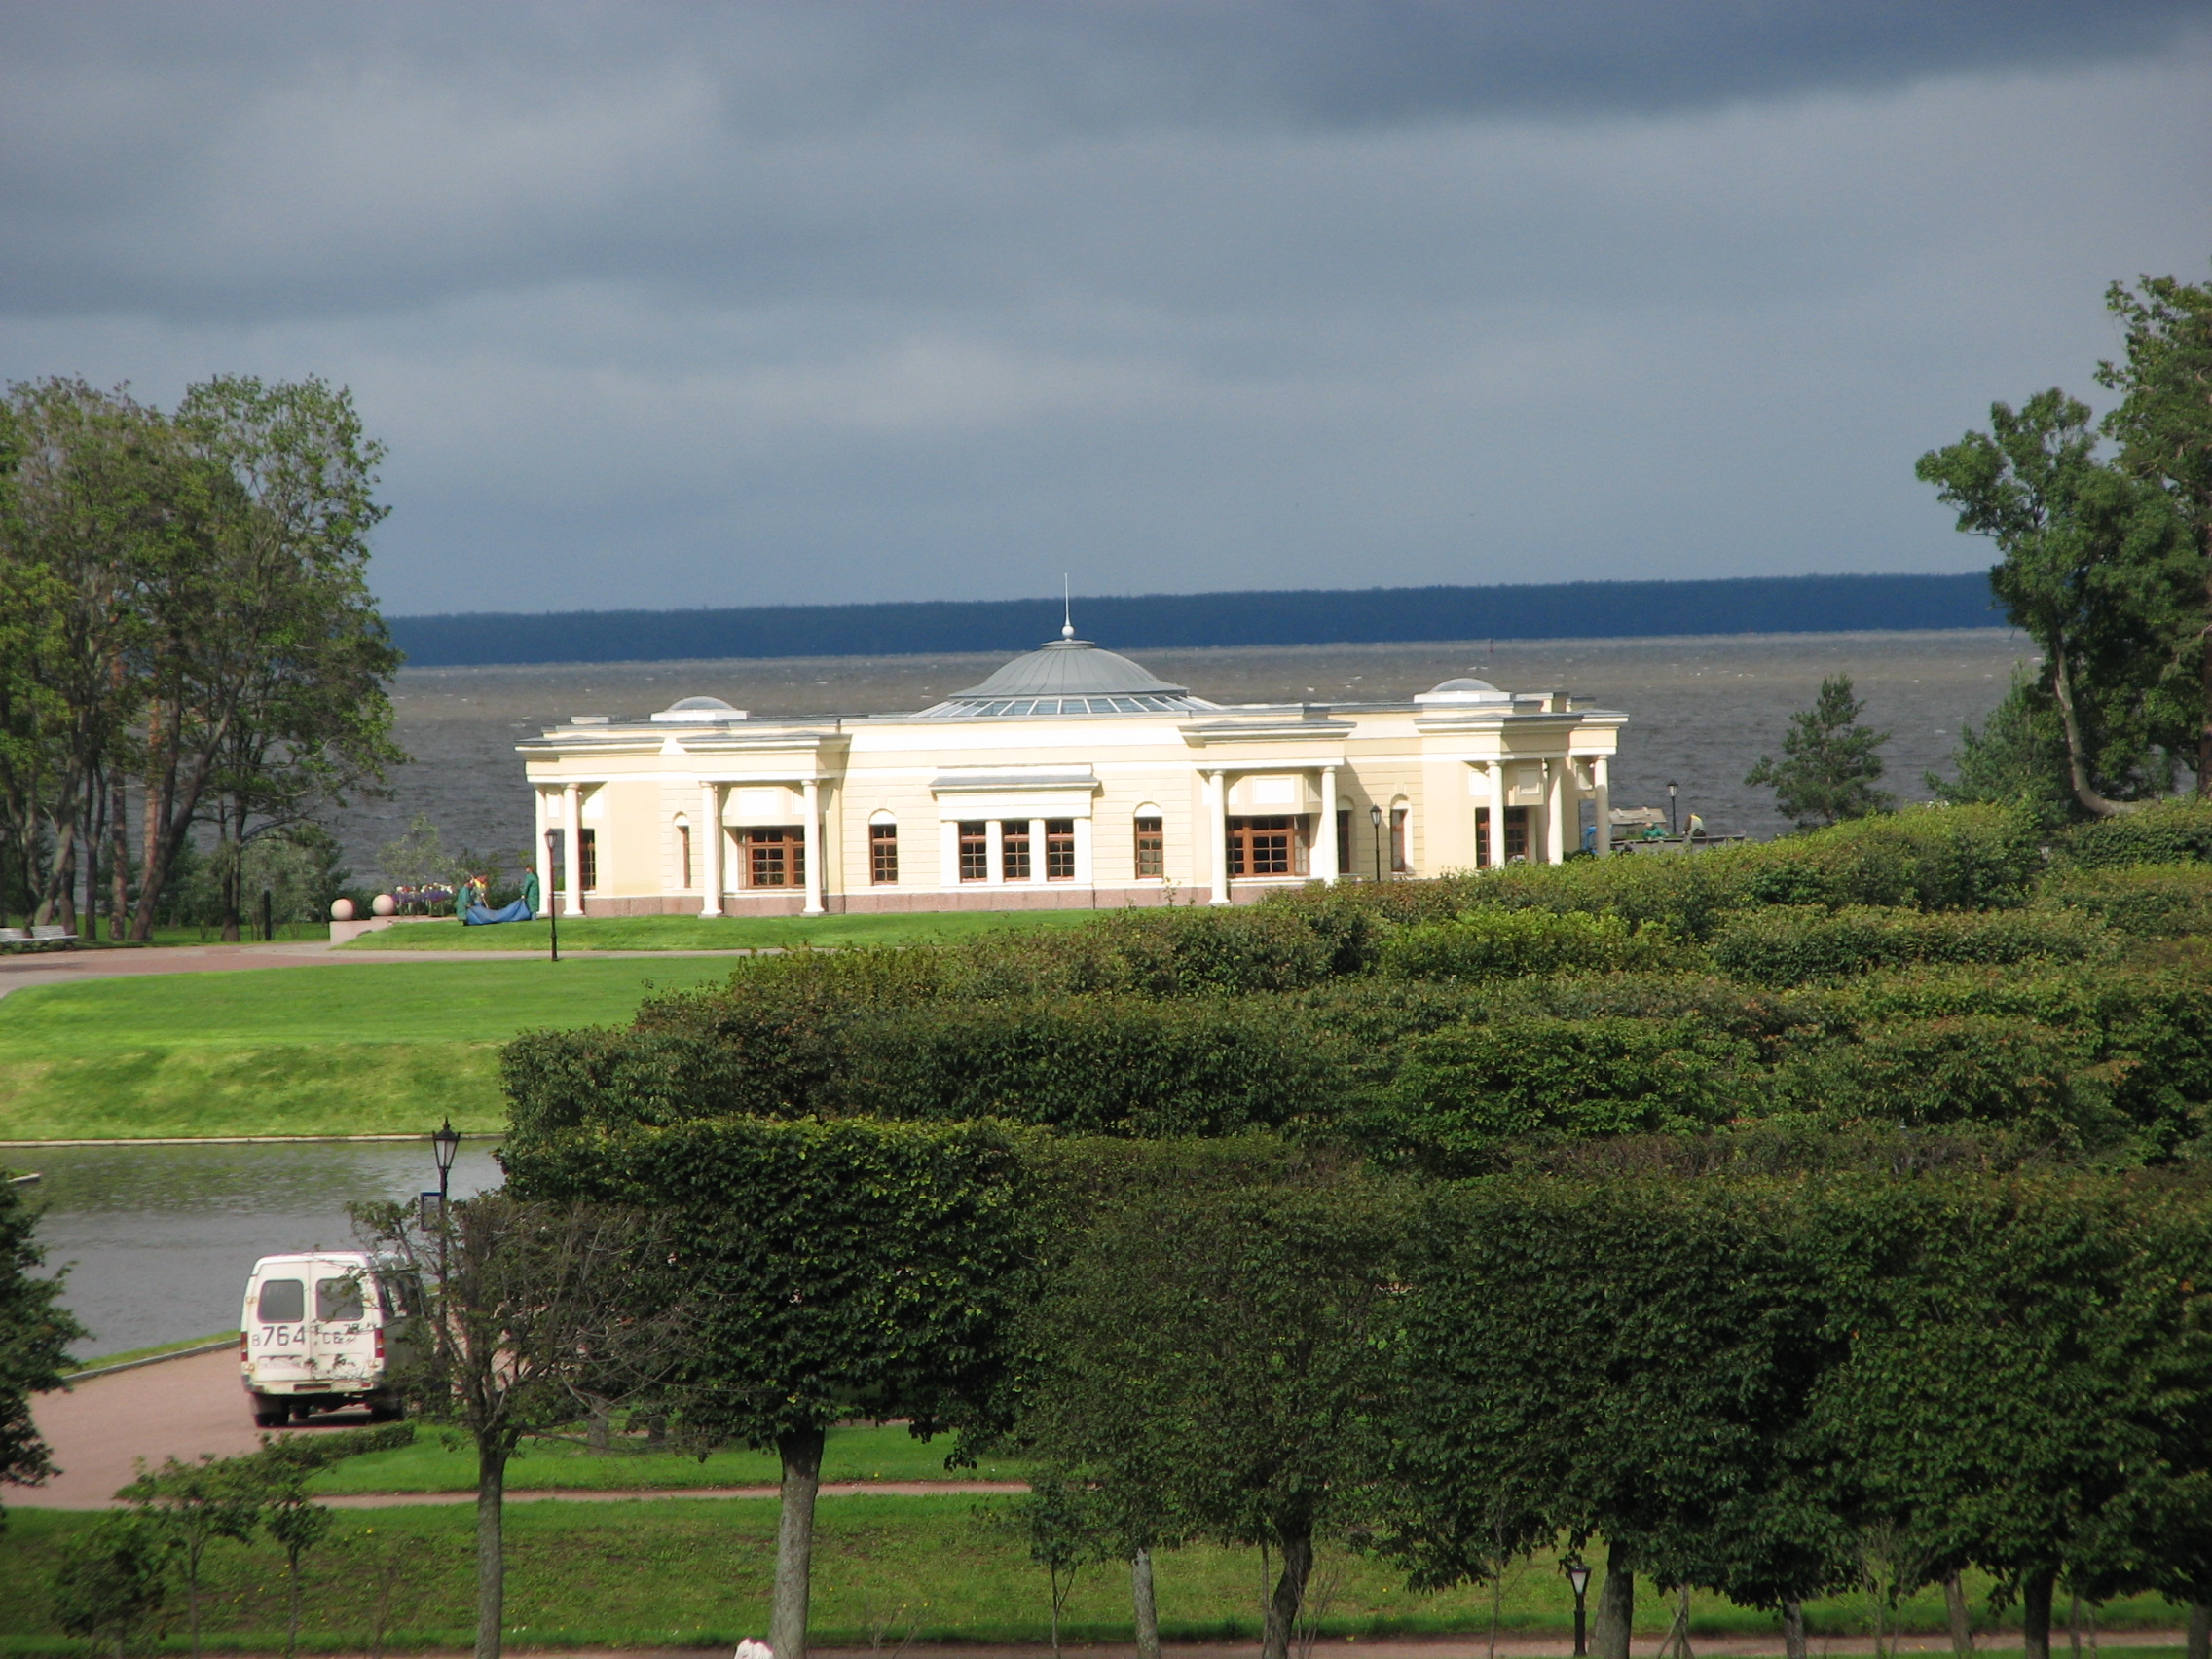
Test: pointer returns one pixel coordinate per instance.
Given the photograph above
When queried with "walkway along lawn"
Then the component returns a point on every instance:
(367, 1049)
(694, 1572)
(727, 933)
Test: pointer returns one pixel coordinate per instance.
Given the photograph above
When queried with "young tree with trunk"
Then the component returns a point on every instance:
(1209, 1337)
(853, 1268)
(2097, 570)
(2163, 425)
(194, 1504)
(1830, 762)
(536, 1311)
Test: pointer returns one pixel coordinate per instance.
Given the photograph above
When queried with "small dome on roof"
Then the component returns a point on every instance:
(1464, 692)
(699, 710)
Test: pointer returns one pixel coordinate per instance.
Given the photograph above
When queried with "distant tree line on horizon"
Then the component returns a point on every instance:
(191, 665)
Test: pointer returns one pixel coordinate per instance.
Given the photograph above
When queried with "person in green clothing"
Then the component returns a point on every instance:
(529, 891)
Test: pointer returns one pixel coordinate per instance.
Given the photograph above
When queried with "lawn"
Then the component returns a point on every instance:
(353, 1049)
(696, 1573)
(859, 1451)
(728, 932)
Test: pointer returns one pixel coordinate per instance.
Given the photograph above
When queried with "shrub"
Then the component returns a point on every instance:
(2173, 831)
(1796, 944)
(2162, 901)
(1496, 944)
(2003, 1072)
(1463, 1091)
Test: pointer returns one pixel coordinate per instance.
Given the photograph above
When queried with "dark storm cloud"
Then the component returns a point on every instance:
(694, 305)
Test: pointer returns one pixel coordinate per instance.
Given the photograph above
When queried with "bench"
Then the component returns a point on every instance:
(49, 938)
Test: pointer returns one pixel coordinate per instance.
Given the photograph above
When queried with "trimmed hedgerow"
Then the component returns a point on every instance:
(2163, 901)
(1501, 945)
(1798, 945)
(2171, 831)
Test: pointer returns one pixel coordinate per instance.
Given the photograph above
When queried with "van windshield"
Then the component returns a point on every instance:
(283, 1302)
(338, 1301)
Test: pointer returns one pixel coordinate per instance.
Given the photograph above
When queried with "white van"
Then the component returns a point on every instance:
(321, 1332)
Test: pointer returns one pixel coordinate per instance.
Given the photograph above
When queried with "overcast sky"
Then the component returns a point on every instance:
(721, 304)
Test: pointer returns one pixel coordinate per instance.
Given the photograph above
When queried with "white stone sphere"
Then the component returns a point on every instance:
(383, 904)
(341, 910)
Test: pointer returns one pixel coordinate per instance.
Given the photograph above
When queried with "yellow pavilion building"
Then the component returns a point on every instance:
(1071, 778)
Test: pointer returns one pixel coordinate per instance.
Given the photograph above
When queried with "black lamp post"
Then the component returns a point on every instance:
(1671, 788)
(1375, 817)
(445, 1141)
(552, 910)
(1577, 1572)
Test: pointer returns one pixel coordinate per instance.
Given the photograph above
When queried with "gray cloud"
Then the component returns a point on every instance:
(667, 305)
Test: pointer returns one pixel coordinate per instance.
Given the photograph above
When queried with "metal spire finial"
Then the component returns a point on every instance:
(1067, 610)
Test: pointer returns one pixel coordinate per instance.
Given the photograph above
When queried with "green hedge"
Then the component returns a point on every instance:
(2160, 900)
(1796, 944)
(1499, 945)
(2175, 831)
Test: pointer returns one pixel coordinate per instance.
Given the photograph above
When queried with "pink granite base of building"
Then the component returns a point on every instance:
(924, 902)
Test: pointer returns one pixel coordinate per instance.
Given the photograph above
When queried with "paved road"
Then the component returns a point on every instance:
(103, 1428)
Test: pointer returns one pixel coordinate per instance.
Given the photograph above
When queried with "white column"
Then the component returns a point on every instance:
(813, 792)
(571, 849)
(1498, 814)
(1217, 818)
(1555, 810)
(709, 846)
(994, 852)
(1037, 851)
(948, 853)
(1601, 792)
(1325, 849)
(544, 856)
(1083, 876)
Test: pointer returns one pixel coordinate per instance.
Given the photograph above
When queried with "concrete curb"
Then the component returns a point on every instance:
(214, 1347)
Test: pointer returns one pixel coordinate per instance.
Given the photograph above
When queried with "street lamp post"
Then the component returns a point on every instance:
(1375, 817)
(552, 910)
(445, 1141)
(1671, 788)
(1577, 1572)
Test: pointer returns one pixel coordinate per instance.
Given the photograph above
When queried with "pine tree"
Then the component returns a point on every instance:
(1830, 763)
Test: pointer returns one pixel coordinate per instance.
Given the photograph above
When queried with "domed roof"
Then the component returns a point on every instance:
(700, 711)
(1462, 694)
(1462, 686)
(1069, 677)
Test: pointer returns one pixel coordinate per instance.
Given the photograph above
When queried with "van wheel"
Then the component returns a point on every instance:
(269, 1413)
(387, 1411)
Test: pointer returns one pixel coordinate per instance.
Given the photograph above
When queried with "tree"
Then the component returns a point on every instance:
(35, 1334)
(2015, 758)
(2163, 425)
(2096, 568)
(538, 1314)
(192, 1504)
(1831, 762)
(841, 1269)
(1210, 1341)
(112, 1579)
(268, 661)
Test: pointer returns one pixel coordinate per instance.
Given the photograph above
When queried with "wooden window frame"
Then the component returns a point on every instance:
(973, 853)
(1060, 849)
(1244, 835)
(683, 856)
(1516, 834)
(1401, 861)
(1014, 862)
(587, 860)
(1151, 839)
(1343, 841)
(787, 842)
(883, 854)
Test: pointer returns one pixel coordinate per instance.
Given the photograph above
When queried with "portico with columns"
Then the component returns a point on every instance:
(1072, 778)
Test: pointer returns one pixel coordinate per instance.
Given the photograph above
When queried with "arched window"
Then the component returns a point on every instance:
(882, 849)
(682, 851)
(1151, 843)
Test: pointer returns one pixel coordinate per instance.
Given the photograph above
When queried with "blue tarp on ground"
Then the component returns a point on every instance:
(476, 916)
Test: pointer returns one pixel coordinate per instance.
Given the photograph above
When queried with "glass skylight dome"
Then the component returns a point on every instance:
(1068, 677)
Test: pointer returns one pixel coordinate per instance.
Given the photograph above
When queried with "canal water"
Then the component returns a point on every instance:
(158, 1239)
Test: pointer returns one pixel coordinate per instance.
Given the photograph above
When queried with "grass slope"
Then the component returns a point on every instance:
(858, 1452)
(697, 933)
(696, 1573)
(367, 1049)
